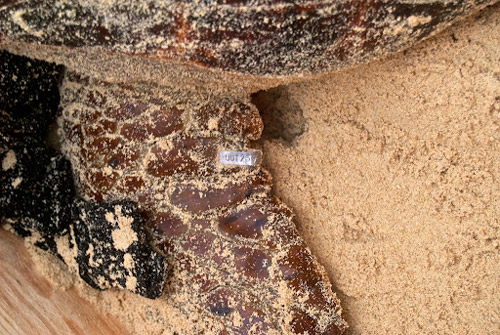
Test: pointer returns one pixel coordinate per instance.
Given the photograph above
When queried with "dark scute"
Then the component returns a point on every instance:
(105, 267)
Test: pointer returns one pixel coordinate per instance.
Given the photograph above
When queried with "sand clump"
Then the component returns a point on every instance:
(395, 183)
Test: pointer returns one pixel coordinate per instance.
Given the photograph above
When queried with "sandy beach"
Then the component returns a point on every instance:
(394, 182)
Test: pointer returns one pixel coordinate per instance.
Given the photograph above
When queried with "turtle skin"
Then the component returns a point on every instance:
(238, 263)
(36, 183)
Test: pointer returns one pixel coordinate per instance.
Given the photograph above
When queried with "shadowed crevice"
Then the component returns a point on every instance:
(281, 113)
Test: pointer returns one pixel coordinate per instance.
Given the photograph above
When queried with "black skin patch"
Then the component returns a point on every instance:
(36, 185)
(29, 95)
(37, 195)
(112, 250)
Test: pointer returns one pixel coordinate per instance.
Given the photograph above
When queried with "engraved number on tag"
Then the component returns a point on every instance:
(248, 158)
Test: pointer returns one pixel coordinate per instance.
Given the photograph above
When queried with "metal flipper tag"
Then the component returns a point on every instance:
(245, 158)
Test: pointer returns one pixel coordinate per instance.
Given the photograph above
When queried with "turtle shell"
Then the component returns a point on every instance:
(271, 38)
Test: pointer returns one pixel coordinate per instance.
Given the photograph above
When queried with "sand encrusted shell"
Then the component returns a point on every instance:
(254, 37)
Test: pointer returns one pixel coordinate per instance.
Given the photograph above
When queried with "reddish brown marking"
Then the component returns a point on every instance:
(194, 200)
(100, 182)
(221, 302)
(125, 157)
(126, 110)
(201, 223)
(283, 234)
(184, 262)
(99, 147)
(168, 224)
(299, 271)
(131, 184)
(204, 281)
(302, 323)
(252, 263)
(235, 119)
(134, 130)
(73, 132)
(164, 122)
(166, 163)
(247, 223)
(95, 99)
(198, 242)
(253, 320)
(167, 246)
(225, 301)
(102, 128)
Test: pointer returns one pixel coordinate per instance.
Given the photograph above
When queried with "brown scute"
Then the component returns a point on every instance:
(126, 110)
(159, 123)
(252, 263)
(220, 303)
(100, 182)
(94, 99)
(226, 302)
(168, 224)
(179, 159)
(196, 200)
(299, 270)
(133, 131)
(247, 223)
(204, 282)
(230, 119)
(102, 147)
(73, 132)
(198, 242)
(132, 185)
(99, 129)
(303, 323)
(253, 320)
(167, 246)
(164, 122)
(125, 158)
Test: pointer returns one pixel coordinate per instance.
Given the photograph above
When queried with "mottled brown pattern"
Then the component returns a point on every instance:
(239, 266)
(259, 37)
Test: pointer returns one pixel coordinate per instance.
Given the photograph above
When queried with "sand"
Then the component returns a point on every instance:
(395, 182)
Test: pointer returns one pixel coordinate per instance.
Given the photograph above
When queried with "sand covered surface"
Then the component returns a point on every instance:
(395, 182)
